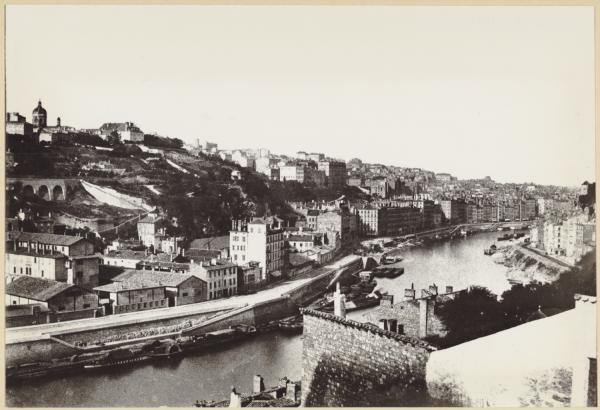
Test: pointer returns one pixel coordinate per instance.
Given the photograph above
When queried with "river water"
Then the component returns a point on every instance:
(210, 375)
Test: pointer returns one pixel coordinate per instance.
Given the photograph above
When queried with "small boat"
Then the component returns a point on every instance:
(117, 357)
(490, 251)
(505, 237)
(293, 324)
(388, 272)
(216, 338)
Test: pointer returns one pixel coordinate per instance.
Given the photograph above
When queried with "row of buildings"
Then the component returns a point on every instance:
(567, 239)
(39, 131)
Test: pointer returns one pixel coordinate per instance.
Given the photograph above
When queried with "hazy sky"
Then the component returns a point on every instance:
(474, 91)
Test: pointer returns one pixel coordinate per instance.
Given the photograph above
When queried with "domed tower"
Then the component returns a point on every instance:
(39, 116)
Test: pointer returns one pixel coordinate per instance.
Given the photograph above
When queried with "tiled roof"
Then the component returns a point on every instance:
(150, 219)
(55, 255)
(127, 254)
(157, 278)
(213, 243)
(363, 326)
(48, 238)
(300, 238)
(221, 263)
(36, 288)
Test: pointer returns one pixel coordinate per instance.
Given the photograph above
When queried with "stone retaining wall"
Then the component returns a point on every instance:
(347, 363)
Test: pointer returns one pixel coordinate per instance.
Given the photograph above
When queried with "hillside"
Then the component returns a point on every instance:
(197, 192)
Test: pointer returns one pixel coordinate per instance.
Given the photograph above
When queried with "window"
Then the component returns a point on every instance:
(15, 269)
(61, 308)
(145, 304)
(86, 305)
(42, 274)
(34, 259)
(139, 305)
(184, 294)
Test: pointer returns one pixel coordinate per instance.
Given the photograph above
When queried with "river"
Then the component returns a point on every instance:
(458, 263)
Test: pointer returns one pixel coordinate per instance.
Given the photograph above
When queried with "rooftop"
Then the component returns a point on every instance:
(300, 238)
(148, 277)
(47, 238)
(213, 243)
(413, 341)
(36, 288)
(127, 254)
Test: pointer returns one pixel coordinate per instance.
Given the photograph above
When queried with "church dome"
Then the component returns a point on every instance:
(39, 109)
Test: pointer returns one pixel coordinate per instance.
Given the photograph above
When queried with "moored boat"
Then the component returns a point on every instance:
(117, 357)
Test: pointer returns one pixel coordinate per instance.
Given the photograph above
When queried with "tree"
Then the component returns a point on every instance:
(470, 315)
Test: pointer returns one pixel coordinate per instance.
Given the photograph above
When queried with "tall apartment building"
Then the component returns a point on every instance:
(147, 228)
(401, 220)
(62, 258)
(370, 222)
(378, 186)
(258, 241)
(335, 172)
(454, 210)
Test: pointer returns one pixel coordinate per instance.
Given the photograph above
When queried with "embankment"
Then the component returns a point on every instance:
(528, 266)
(112, 197)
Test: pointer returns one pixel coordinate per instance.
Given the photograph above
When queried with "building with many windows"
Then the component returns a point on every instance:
(258, 241)
(221, 277)
(336, 173)
(370, 222)
(63, 258)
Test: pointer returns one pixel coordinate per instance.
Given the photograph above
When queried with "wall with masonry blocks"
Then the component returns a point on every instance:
(346, 363)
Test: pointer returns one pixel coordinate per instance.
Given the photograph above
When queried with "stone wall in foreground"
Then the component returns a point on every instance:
(346, 363)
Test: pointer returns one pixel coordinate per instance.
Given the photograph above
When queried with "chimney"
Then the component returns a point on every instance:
(410, 294)
(339, 302)
(258, 385)
(433, 289)
(387, 300)
(58, 121)
(292, 392)
(383, 324)
(449, 289)
(423, 313)
(235, 399)
(393, 325)
(213, 261)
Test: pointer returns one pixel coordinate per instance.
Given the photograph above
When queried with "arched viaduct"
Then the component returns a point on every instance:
(49, 189)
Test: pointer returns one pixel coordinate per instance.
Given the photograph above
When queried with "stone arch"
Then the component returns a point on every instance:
(43, 192)
(28, 191)
(58, 194)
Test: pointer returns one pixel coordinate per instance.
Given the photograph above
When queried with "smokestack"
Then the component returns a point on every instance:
(258, 385)
(449, 289)
(339, 302)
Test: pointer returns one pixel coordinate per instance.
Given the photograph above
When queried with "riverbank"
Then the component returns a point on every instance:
(56, 340)
(526, 266)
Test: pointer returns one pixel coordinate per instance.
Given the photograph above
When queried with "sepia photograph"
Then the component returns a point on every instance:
(374, 205)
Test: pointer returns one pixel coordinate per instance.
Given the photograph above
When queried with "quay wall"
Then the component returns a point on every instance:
(255, 314)
(44, 349)
(347, 363)
(37, 350)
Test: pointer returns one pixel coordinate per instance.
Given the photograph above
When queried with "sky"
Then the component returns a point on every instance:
(474, 91)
